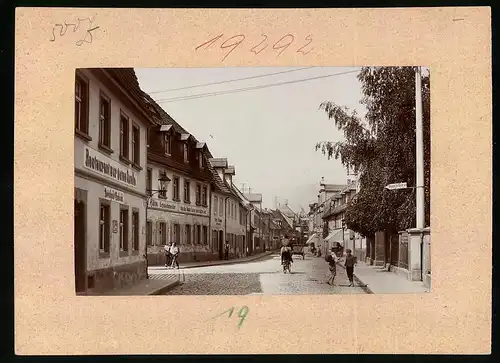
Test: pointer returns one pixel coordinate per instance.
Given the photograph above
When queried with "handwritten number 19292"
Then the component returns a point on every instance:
(281, 45)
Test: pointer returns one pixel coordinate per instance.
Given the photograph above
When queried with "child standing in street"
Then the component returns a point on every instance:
(350, 262)
(332, 260)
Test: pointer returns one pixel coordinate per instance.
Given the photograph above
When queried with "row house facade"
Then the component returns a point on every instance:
(334, 218)
(111, 123)
(229, 212)
(254, 221)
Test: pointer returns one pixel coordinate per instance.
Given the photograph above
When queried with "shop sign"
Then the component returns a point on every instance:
(177, 207)
(109, 168)
(114, 195)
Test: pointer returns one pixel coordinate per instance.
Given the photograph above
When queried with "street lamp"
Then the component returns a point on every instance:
(163, 180)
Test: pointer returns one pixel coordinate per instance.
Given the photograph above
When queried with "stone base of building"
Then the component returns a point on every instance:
(115, 277)
(158, 259)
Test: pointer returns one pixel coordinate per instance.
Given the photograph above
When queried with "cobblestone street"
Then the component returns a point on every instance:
(263, 276)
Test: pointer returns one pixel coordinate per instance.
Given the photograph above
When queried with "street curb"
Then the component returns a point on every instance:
(165, 288)
(218, 263)
(364, 286)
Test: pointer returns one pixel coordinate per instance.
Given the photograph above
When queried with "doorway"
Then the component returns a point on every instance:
(80, 247)
(221, 245)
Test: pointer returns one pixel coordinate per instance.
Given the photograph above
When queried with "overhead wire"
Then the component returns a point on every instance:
(237, 90)
(229, 80)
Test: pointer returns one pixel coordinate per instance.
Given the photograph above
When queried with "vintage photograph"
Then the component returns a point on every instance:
(252, 180)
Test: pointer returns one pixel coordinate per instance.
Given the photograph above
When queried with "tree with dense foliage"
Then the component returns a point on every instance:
(381, 148)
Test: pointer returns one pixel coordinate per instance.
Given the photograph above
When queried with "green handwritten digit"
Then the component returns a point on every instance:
(228, 310)
(242, 314)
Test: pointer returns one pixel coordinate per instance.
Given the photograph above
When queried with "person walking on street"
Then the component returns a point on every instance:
(332, 260)
(168, 256)
(226, 251)
(349, 263)
(174, 253)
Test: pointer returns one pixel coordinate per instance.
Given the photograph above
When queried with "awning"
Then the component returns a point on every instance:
(312, 239)
(335, 236)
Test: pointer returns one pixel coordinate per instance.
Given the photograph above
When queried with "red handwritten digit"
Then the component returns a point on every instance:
(233, 45)
(284, 46)
(300, 49)
(253, 49)
(209, 43)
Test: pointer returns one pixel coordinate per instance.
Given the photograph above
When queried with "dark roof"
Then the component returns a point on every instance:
(127, 78)
(165, 118)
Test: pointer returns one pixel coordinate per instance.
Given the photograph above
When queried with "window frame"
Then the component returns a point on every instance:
(123, 231)
(167, 143)
(136, 145)
(104, 252)
(176, 188)
(82, 125)
(198, 194)
(187, 191)
(185, 152)
(204, 195)
(149, 233)
(135, 230)
(104, 141)
(124, 137)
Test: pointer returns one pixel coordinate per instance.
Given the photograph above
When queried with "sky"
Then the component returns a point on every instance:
(269, 134)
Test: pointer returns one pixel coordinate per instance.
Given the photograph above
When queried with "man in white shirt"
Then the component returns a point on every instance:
(174, 252)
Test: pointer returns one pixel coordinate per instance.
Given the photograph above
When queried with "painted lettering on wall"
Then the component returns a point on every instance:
(109, 168)
(189, 209)
(176, 207)
(114, 195)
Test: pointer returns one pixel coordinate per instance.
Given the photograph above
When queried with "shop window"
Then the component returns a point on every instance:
(162, 233)
(149, 233)
(135, 231)
(205, 235)
(198, 234)
(187, 234)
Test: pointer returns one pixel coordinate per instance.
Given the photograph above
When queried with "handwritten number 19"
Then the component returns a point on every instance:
(242, 314)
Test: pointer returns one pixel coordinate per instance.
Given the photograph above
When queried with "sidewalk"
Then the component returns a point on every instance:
(155, 285)
(381, 281)
(156, 269)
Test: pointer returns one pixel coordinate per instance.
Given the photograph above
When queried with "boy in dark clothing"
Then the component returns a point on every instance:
(349, 263)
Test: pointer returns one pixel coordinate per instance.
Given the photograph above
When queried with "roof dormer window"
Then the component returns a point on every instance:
(200, 160)
(186, 153)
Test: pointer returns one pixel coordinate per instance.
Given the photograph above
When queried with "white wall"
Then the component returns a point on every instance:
(133, 194)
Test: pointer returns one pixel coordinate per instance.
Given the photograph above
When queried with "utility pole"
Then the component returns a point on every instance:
(419, 150)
